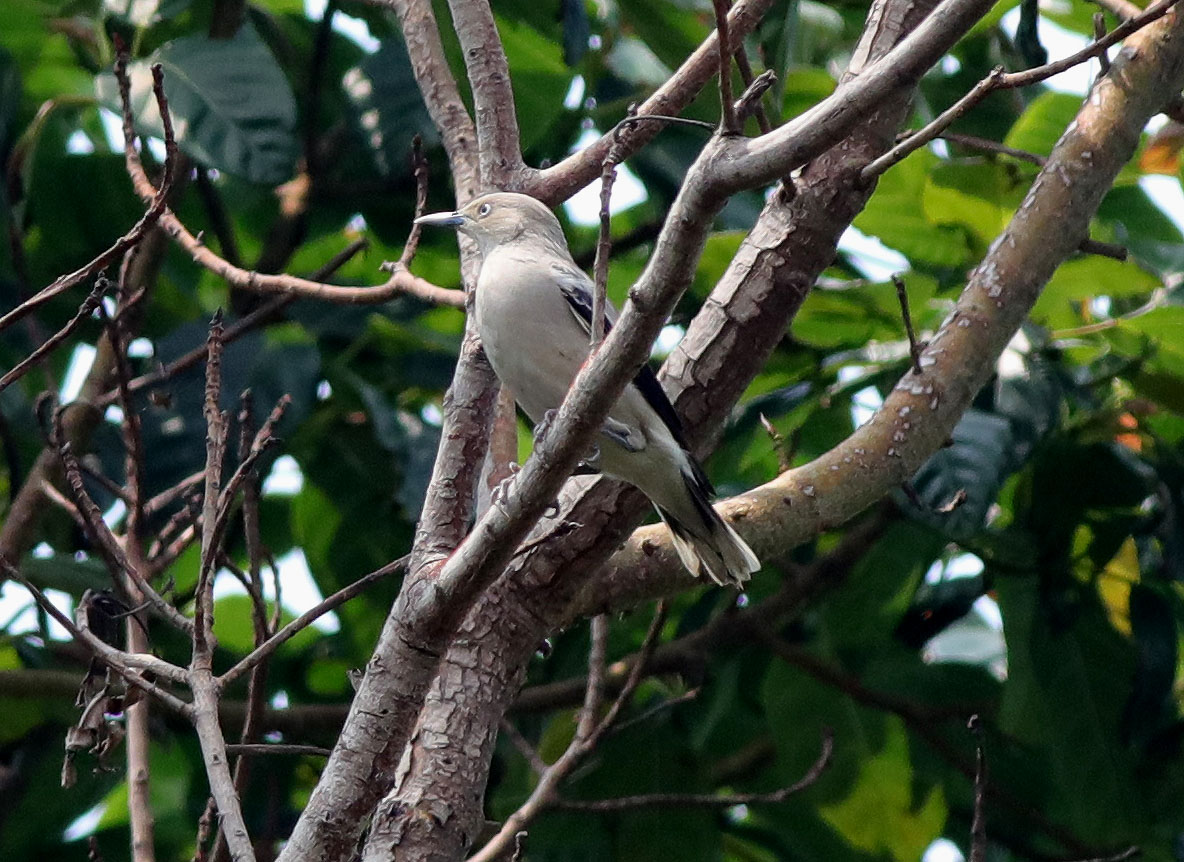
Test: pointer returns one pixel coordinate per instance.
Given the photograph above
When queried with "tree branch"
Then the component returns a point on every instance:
(750, 162)
(559, 182)
(1000, 80)
(498, 148)
(421, 34)
(401, 281)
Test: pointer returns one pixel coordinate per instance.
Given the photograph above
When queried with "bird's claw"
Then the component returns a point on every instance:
(544, 425)
(590, 465)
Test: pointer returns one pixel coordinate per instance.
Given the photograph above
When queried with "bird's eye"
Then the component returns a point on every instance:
(484, 209)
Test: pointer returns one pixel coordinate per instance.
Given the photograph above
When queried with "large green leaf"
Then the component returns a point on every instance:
(231, 105)
(897, 216)
(981, 196)
(540, 78)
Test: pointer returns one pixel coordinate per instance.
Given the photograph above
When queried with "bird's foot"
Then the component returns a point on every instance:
(590, 465)
(544, 425)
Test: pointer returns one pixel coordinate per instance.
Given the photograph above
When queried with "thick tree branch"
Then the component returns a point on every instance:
(750, 162)
(421, 34)
(498, 147)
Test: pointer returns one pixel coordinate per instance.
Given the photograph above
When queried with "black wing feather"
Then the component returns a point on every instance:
(574, 285)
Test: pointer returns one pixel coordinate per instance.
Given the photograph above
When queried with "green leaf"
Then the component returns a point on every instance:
(1065, 690)
(231, 105)
(897, 217)
(981, 196)
(1156, 636)
(1084, 278)
(1043, 122)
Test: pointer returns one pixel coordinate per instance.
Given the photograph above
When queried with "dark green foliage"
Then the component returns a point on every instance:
(1065, 480)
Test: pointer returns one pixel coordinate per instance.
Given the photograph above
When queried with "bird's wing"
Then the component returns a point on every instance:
(576, 288)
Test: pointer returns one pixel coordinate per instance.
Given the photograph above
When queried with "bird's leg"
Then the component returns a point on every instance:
(501, 492)
(543, 426)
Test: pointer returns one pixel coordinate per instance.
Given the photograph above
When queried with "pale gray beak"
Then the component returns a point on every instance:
(452, 219)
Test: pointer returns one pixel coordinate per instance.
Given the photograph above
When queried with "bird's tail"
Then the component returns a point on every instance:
(705, 543)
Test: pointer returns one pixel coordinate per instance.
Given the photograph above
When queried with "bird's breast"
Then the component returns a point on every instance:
(529, 335)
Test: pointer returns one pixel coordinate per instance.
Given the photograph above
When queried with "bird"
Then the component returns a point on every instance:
(533, 307)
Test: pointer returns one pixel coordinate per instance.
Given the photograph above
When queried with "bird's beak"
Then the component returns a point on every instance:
(453, 219)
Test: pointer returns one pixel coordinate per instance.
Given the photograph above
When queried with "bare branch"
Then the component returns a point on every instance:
(498, 148)
(996, 299)
(157, 206)
(914, 348)
(216, 421)
(558, 183)
(707, 800)
(421, 34)
(728, 123)
(241, 749)
(259, 316)
(306, 619)
(978, 822)
(126, 665)
(1000, 80)
(608, 174)
(401, 281)
(85, 310)
(749, 162)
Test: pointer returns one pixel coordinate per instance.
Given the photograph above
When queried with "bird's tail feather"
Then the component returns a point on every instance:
(710, 547)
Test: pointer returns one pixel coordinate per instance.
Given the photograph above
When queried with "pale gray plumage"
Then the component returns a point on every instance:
(533, 307)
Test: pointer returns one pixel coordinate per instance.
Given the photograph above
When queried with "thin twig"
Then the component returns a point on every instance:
(203, 606)
(127, 665)
(589, 730)
(608, 175)
(978, 821)
(1099, 34)
(586, 732)
(307, 618)
(707, 800)
(998, 79)
(728, 122)
(242, 749)
(666, 118)
(237, 329)
(93, 300)
(157, 206)
(529, 753)
(400, 282)
(751, 101)
(102, 537)
(914, 347)
(986, 145)
(130, 429)
(419, 170)
(1088, 246)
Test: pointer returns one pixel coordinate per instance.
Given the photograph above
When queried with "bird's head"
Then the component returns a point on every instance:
(500, 218)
